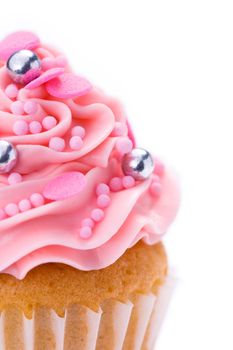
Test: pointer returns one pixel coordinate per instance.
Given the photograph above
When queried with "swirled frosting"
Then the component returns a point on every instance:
(68, 178)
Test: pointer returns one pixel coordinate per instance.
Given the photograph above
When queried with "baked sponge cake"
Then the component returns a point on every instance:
(83, 210)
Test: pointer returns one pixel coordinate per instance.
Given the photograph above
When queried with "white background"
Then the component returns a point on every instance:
(171, 63)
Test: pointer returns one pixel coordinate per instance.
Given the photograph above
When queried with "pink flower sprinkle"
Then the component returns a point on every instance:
(35, 127)
(76, 143)
(85, 232)
(97, 214)
(124, 145)
(24, 205)
(155, 189)
(20, 127)
(49, 122)
(14, 178)
(87, 222)
(37, 200)
(120, 129)
(159, 167)
(61, 61)
(128, 182)
(30, 107)
(11, 91)
(116, 184)
(17, 108)
(103, 201)
(48, 63)
(2, 214)
(78, 131)
(57, 144)
(102, 189)
(11, 209)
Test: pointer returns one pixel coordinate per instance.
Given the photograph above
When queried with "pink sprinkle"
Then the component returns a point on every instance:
(37, 200)
(20, 127)
(103, 201)
(128, 182)
(155, 189)
(30, 107)
(61, 61)
(85, 232)
(24, 205)
(11, 91)
(2, 214)
(76, 143)
(87, 222)
(116, 184)
(17, 108)
(48, 63)
(14, 178)
(124, 145)
(57, 144)
(78, 131)
(35, 127)
(120, 129)
(159, 167)
(102, 189)
(97, 214)
(49, 122)
(11, 209)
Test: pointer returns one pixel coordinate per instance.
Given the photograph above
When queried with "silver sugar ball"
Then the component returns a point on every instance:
(24, 66)
(138, 163)
(8, 156)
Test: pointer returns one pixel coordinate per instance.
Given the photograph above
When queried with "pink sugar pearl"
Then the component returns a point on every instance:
(30, 107)
(124, 145)
(49, 122)
(87, 222)
(102, 189)
(11, 91)
(14, 178)
(37, 200)
(17, 108)
(120, 129)
(11, 209)
(85, 232)
(35, 127)
(128, 182)
(57, 144)
(97, 214)
(24, 205)
(116, 184)
(103, 201)
(76, 143)
(20, 127)
(155, 189)
(78, 131)
(61, 61)
(2, 214)
(48, 63)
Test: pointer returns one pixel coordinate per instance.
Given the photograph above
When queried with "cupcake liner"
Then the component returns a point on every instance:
(133, 325)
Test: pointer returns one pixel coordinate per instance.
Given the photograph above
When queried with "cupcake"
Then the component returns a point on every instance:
(83, 210)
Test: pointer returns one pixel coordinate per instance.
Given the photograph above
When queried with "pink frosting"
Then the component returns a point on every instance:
(50, 232)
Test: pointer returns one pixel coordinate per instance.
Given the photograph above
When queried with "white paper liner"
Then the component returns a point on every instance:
(144, 316)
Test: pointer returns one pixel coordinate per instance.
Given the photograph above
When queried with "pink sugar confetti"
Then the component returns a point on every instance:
(17, 108)
(30, 107)
(68, 85)
(128, 182)
(14, 178)
(18, 41)
(2, 214)
(155, 189)
(102, 189)
(57, 144)
(11, 209)
(49, 122)
(85, 232)
(87, 222)
(103, 201)
(120, 129)
(97, 214)
(11, 91)
(124, 145)
(65, 186)
(61, 61)
(159, 167)
(35, 127)
(44, 78)
(20, 127)
(48, 63)
(37, 200)
(78, 131)
(76, 143)
(116, 184)
(24, 205)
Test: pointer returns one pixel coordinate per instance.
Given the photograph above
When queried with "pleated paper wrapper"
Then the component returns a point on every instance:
(134, 325)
